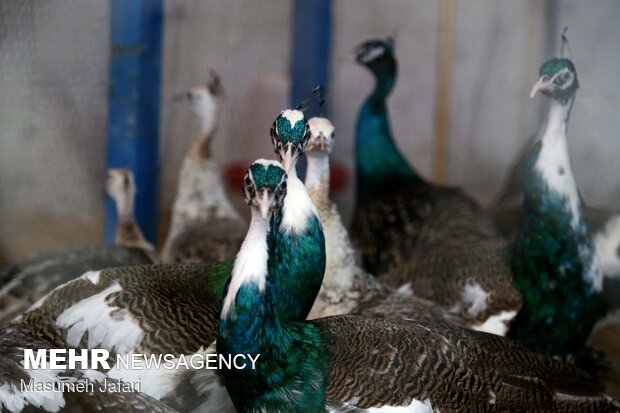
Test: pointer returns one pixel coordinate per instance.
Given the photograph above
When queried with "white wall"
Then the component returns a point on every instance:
(54, 76)
(53, 110)
(594, 132)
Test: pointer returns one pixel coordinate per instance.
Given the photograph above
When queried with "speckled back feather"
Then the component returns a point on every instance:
(26, 281)
(209, 241)
(379, 362)
(405, 218)
(441, 274)
(147, 292)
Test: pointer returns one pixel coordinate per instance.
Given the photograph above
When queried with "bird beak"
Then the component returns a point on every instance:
(540, 84)
(322, 143)
(263, 199)
(288, 157)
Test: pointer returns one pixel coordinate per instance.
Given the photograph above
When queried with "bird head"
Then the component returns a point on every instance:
(321, 136)
(204, 100)
(558, 80)
(289, 135)
(377, 55)
(121, 186)
(264, 186)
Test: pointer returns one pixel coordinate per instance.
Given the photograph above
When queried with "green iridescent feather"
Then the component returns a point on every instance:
(550, 262)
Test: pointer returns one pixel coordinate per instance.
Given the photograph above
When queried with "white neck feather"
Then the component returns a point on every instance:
(207, 111)
(124, 205)
(554, 161)
(317, 177)
(251, 262)
(298, 207)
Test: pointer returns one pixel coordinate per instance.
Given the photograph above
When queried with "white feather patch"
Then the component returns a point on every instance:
(372, 54)
(13, 399)
(92, 276)
(496, 324)
(293, 116)
(251, 262)
(107, 326)
(416, 406)
(593, 272)
(476, 299)
(298, 207)
(553, 161)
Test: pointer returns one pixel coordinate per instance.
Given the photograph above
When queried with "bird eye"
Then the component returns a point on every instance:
(565, 75)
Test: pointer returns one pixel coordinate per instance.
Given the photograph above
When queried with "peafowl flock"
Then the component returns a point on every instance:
(414, 322)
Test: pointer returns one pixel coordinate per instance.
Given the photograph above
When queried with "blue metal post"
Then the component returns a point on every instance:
(310, 53)
(310, 57)
(133, 108)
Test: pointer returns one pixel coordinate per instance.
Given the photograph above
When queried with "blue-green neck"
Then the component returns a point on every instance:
(291, 372)
(292, 369)
(554, 264)
(378, 160)
(299, 258)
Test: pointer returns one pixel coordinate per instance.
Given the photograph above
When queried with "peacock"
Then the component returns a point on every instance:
(394, 203)
(205, 226)
(409, 230)
(554, 261)
(352, 363)
(24, 282)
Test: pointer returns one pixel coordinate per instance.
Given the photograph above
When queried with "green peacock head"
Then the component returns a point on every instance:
(377, 55)
(321, 136)
(558, 80)
(264, 186)
(289, 135)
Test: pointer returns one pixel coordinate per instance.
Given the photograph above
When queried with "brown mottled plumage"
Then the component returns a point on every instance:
(441, 274)
(433, 239)
(388, 303)
(12, 343)
(210, 241)
(147, 292)
(390, 228)
(450, 368)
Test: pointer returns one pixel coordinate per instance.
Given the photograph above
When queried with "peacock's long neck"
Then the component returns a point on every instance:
(297, 251)
(128, 232)
(317, 179)
(201, 148)
(554, 263)
(378, 159)
(550, 188)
